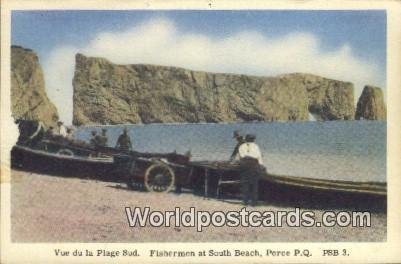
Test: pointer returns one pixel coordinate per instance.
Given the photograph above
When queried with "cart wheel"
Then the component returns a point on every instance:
(159, 178)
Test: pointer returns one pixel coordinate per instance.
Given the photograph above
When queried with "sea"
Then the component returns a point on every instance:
(336, 150)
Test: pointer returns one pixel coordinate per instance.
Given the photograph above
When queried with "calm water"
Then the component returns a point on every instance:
(343, 150)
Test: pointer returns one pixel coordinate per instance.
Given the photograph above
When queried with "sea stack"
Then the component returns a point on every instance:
(28, 95)
(371, 104)
(108, 93)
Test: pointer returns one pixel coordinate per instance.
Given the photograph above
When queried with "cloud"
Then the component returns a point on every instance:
(159, 41)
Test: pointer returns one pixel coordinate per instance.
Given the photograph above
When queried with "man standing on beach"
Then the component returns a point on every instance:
(251, 166)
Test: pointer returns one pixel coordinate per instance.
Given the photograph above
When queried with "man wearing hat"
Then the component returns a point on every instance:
(251, 166)
(124, 141)
(70, 134)
(94, 138)
(61, 129)
(102, 139)
(240, 139)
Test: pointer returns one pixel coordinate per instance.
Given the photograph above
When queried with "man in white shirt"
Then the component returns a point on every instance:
(251, 166)
(62, 129)
(250, 149)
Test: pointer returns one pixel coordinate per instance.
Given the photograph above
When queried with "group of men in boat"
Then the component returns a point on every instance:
(32, 132)
(248, 154)
(61, 131)
(124, 142)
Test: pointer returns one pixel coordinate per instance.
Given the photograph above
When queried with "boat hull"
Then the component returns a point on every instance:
(62, 165)
(293, 191)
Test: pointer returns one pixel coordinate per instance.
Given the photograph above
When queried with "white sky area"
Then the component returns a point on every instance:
(158, 41)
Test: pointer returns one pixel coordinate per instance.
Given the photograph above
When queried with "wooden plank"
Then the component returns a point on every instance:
(64, 157)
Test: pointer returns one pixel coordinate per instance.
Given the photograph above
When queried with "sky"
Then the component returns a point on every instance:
(344, 45)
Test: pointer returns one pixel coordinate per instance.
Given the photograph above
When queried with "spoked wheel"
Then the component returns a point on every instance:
(159, 178)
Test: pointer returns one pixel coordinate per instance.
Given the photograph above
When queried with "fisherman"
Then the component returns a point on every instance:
(240, 140)
(70, 134)
(124, 141)
(50, 132)
(93, 140)
(61, 129)
(102, 139)
(251, 166)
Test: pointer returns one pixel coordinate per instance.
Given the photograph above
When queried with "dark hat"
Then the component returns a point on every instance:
(104, 129)
(250, 138)
(236, 134)
(94, 132)
(59, 123)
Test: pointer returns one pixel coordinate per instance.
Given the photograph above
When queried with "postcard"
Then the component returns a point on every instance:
(204, 132)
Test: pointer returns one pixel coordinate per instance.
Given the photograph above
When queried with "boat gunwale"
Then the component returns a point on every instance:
(65, 157)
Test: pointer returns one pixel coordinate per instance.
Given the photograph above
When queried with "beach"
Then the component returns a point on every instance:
(47, 208)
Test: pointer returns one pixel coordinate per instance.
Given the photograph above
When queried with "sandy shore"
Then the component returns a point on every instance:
(56, 209)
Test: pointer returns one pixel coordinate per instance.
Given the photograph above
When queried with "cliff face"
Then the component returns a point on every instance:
(106, 93)
(28, 95)
(371, 104)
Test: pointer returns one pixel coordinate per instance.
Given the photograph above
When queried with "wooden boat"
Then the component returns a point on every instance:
(61, 162)
(221, 179)
(374, 188)
(82, 160)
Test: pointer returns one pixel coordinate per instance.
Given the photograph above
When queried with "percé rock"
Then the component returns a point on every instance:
(28, 95)
(371, 104)
(106, 93)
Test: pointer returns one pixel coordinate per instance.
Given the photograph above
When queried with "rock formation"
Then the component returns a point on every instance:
(371, 104)
(28, 95)
(106, 93)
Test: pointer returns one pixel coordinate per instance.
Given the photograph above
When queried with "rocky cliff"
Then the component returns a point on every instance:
(28, 95)
(371, 104)
(106, 93)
